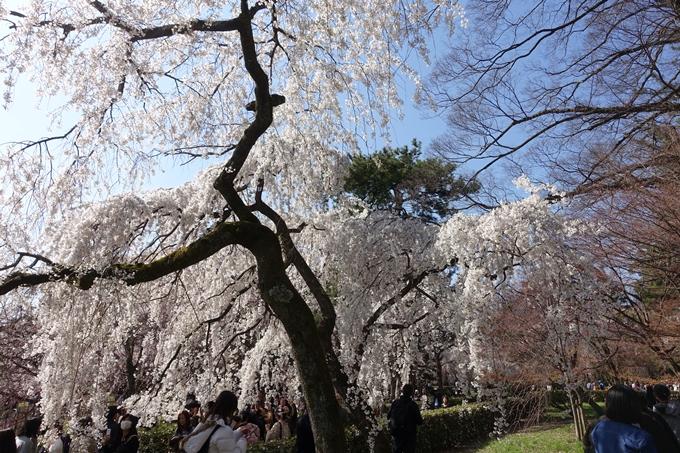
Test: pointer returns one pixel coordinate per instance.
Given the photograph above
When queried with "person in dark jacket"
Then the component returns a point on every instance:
(257, 419)
(344, 415)
(668, 408)
(128, 442)
(651, 400)
(405, 441)
(654, 424)
(7, 441)
(304, 440)
(112, 436)
(661, 432)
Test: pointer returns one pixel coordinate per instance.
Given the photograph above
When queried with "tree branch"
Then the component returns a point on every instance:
(224, 234)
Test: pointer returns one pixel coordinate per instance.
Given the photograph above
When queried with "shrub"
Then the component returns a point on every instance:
(274, 446)
(558, 399)
(155, 439)
(598, 395)
(458, 400)
(446, 428)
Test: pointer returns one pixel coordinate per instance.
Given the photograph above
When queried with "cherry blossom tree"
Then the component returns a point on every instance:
(19, 363)
(522, 257)
(273, 92)
(244, 277)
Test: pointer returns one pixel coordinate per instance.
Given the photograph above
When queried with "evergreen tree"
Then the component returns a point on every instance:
(398, 180)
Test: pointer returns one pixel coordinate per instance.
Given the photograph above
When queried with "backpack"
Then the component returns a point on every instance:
(398, 421)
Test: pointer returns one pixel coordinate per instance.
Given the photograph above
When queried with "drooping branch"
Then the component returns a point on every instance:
(411, 284)
(399, 325)
(208, 322)
(223, 235)
(239, 334)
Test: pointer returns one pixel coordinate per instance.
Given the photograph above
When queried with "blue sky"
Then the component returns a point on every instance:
(23, 121)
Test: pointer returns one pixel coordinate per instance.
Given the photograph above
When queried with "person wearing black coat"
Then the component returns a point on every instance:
(405, 442)
(651, 401)
(128, 441)
(662, 434)
(304, 440)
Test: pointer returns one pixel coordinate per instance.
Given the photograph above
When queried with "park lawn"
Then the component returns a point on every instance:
(560, 439)
(555, 414)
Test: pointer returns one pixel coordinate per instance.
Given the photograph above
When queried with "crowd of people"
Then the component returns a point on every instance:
(216, 427)
(263, 421)
(636, 422)
(275, 418)
(431, 398)
(267, 419)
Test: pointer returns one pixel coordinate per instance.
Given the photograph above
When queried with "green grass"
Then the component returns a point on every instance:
(554, 440)
(554, 414)
(589, 412)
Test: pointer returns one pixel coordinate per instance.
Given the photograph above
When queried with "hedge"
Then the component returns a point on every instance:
(155, 440)
(354, 444)
(443, 429)
(274, 446)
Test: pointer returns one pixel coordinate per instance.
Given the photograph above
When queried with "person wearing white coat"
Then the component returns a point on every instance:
(221, 425)
(279, 430)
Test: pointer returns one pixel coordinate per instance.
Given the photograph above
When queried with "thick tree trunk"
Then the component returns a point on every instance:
(365, 420)
(298, 321)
